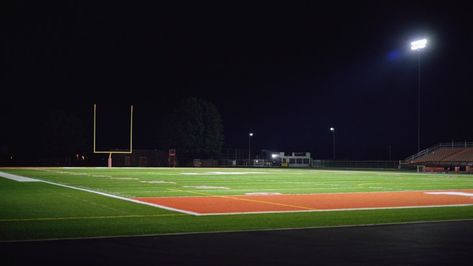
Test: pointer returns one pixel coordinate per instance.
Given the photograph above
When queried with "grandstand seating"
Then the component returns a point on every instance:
(438, 155)
(464, 155)
(444, 154)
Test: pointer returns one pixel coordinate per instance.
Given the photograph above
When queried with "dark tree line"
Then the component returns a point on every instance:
(194, 128)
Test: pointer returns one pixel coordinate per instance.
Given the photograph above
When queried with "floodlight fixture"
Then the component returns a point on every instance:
(418, 44)
(251, 134)
(274, 155)
(332, 129)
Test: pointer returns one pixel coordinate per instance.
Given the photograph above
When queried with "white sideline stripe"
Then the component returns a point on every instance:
(27, 179)
(122, 198)
(18, 178)
(453, 193)
(337, 210)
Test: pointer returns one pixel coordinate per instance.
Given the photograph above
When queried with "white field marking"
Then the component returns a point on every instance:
(337, 210)
(225, 173)
(262, 193)
(236, 173)
(124, 178)
(206, 187)
(158, 182)
(453, 193)
(101, 175)
(18, 178)
(74, 173)
(116, 197)
(305, 194)
(243, 230)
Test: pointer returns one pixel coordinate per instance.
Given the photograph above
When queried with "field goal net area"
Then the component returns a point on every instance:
(113, 130)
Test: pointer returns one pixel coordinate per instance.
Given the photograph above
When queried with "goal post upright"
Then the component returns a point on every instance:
(110, 152)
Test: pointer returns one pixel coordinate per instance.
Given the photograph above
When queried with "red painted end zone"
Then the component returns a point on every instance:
(314, 202)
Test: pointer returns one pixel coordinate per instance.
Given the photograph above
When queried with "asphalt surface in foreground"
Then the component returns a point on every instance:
(444, 243)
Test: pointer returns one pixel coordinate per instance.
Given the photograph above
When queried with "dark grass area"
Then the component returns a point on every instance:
(444, 243)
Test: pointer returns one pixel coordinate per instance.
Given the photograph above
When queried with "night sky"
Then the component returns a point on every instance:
(285, 71)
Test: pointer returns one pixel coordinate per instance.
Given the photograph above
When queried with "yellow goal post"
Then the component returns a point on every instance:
(110, 152)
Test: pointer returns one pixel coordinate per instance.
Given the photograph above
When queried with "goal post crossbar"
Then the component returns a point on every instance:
(110, 152)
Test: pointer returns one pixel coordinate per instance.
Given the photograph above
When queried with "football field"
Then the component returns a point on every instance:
(57, 203)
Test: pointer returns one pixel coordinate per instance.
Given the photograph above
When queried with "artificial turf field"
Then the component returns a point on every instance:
(71, 206)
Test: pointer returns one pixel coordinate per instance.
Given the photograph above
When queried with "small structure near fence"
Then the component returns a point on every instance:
(288, 159)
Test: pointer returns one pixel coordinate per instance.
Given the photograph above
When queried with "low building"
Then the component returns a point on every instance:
(288, 159)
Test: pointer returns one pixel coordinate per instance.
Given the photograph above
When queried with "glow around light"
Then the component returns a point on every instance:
(332, 129)
(419, 44)
(274, 155)
(251, 134)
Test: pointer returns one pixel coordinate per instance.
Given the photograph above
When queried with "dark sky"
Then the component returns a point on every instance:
(285, 71)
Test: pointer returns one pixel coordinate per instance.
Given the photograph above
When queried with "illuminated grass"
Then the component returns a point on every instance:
(40, 211)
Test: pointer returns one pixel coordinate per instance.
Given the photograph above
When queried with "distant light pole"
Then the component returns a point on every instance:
(333, 133)
(249, 147)
(418, 46)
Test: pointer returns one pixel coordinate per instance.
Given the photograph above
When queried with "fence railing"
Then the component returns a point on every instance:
(355, 164)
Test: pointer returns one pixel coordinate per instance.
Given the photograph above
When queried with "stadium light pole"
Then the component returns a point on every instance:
(249, 147)
(417, 46)
(333, 133)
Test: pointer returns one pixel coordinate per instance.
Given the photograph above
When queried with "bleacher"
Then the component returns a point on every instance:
(438, 155)
(456, 155)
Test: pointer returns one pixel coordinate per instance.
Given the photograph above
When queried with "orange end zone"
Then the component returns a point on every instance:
(212, 205)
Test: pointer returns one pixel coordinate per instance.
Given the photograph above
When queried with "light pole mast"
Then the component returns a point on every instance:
(249, 147)
(333, 133)
(417, 46)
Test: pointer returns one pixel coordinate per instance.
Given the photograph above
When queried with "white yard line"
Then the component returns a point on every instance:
(27, 179)
(122, 198)
(18, 178)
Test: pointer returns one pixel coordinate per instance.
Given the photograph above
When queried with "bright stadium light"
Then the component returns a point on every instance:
(419, 44)
(332, 129)
(274, 155)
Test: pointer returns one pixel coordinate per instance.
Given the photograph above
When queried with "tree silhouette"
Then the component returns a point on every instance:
(195, 129)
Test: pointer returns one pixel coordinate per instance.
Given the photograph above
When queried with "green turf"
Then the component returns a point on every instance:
(39, 210)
